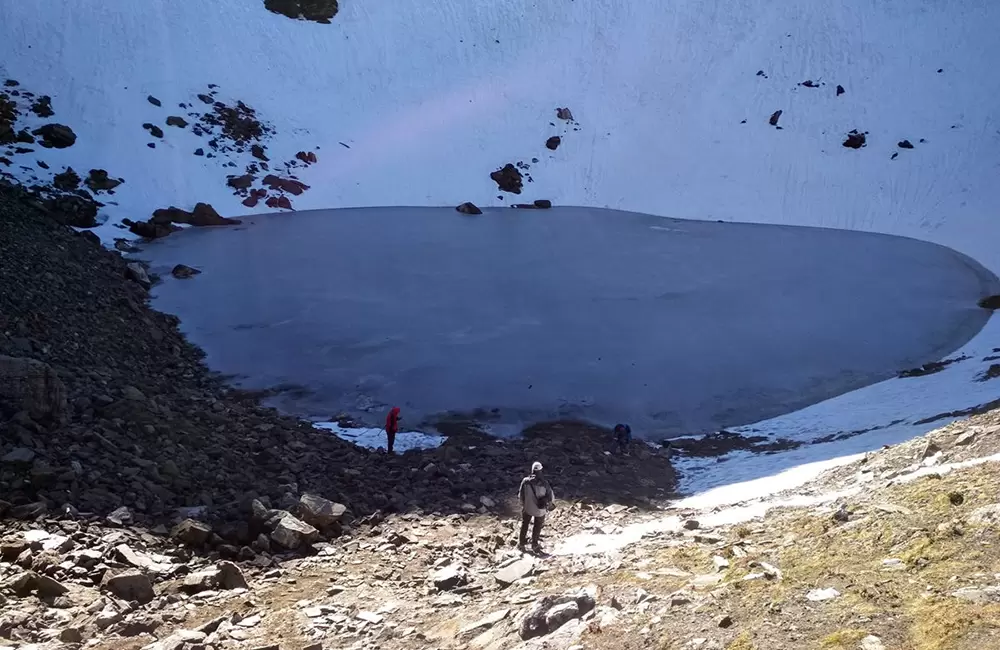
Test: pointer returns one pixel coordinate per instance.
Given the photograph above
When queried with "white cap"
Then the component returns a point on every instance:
(536, 467)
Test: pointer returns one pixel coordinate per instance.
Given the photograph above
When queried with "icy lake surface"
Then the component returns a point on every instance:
(675, 326)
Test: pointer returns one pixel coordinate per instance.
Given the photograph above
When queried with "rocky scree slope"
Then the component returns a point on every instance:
(897, 550)
(104, 405)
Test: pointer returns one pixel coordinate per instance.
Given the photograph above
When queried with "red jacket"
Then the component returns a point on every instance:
(392, 420)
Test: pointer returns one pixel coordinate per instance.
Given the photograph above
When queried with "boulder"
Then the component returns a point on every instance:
(205, 215)
(543, 204)
(775, 116)
(183, 272)
(508, 179)
(556, 616)
(990, 302)
(855, 140)
(449, 577)
(154, 101)
(319, 512)
(564, 114)
(224, 575)
(553, 142)
(320, 11)
(32, 386)
(55, 136)
(175, 120)
(292, 533)
(192, 532)
(469, 208)
(154, 130)
(133, 586)
(137, 273)
(67, 180)
(99, 181)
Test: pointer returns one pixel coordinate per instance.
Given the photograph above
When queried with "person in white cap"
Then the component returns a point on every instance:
(536, 499)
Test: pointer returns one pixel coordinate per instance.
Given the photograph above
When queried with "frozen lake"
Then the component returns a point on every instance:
(674, 326)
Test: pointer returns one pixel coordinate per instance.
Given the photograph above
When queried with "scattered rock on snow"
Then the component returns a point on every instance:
(177, 121)
(469, 208)
(840, 90)
(508, 179)
(905, 144)
(154, 101)
(154, 130)
(564, 114)
(855, 140)
(775, 116)
(42, 107)
(98, 181)
(809, 83)
(542, 204)
(320, 11)
(55, 136)
(67, 180)
(553, 142)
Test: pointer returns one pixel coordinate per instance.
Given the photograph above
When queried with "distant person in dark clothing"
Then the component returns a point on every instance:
(623, 436)
(392, 427)
(536, 499)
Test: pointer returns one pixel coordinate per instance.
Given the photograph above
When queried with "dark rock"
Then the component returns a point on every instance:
(192, 532)
(137, 273)
(553, 142)
(543, 204)
(809, 83)
(154, 130)
(32, 386)
(469, 208)
(205, 215)
(905, 144)
(99, 181)
(11, 83)
(990, 302)
(73, 210)
(183, 272)
(177, 121)
(257, 152)
(208, 99)
(775, 116)
(199, 152)
(289, 185)
(308, 157)
(320, 11)
(29, 510)
(57, 136)
(154, 101)
(42, 107)
(564, 114)
(132, 585)
(691, 524)
(67, 180)
(508, 179)
(840, 90)
(855, 140)
(894, 155)
(292, 533)
(148, 229)
(240, 182)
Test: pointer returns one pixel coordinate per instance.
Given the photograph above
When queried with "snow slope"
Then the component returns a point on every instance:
(431, 97)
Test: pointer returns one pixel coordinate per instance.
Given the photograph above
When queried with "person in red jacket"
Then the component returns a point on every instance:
(392, 426)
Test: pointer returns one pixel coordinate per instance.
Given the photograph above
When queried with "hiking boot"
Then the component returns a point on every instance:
(536, 548)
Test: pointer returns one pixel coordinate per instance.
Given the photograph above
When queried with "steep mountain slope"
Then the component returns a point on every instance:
(429, 98)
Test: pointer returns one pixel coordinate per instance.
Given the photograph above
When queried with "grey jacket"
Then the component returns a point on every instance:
(531, 490)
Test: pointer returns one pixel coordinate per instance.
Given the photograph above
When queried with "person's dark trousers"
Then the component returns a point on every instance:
(536, 529)
(391, 435)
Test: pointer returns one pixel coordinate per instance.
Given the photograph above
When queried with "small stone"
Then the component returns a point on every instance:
(449, 577)
(871, 642)
(775, 116)
(553, 142)
(515, 571)
(855, 140)
(905, 144)
(725, 622)
(840, 90)
(819, 595)
(71, 635)
(691, 524)
(369, 617)
(154, 101)
(721, 563)
(564, 114)
(177, 121)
